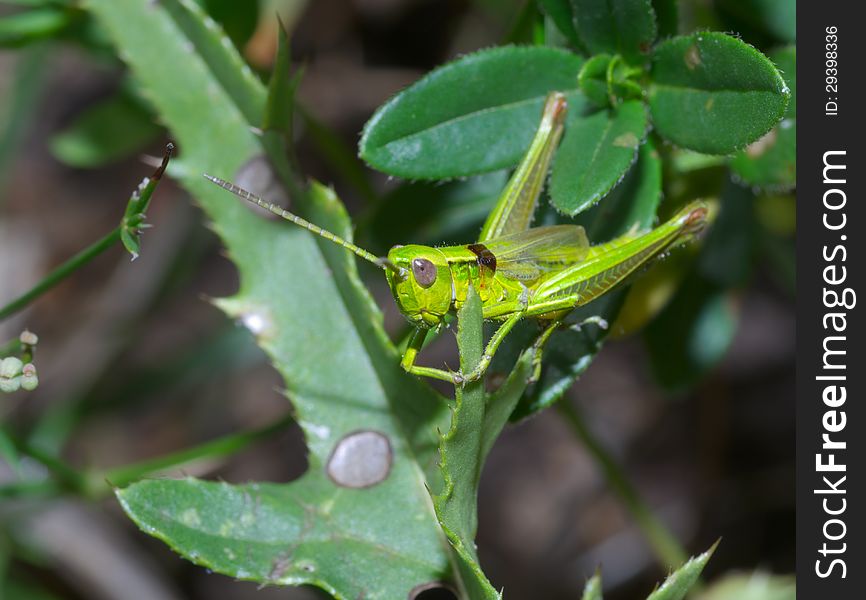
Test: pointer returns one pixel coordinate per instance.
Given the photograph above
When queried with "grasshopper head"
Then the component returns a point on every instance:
(421, 283)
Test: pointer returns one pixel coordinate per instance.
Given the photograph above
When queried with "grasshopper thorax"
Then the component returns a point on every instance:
(421, 283)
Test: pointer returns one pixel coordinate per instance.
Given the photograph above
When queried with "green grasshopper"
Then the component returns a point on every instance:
(519, 272)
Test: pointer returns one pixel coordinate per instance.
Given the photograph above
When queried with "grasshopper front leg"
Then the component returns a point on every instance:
(491, 348)
(416, 342)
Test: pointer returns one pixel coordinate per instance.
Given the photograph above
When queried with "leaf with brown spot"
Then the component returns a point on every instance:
(322, 332)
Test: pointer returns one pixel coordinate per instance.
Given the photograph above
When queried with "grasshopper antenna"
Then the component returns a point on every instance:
(382, 263)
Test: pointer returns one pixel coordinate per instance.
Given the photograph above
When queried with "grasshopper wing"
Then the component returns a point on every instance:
(527, 255)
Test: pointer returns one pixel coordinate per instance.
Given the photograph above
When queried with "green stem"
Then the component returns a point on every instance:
(224, 446)
(666, 547)
(61, 273)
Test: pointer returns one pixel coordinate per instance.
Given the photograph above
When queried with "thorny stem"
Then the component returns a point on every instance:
(665, 546)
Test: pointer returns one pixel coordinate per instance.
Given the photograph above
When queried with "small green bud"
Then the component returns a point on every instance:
(10, 367)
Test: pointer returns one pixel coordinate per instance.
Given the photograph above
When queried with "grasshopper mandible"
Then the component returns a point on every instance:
(519, 272)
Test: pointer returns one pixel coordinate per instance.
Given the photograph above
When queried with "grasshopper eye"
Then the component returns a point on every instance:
(424, 272)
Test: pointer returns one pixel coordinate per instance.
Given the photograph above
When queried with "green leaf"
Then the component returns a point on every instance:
(569, 353)
(592, 589)
(279, 110)
(678, 583)
(624, 27)
(632, 203)
(595, 154)
(561, 12)
(476, 422)
(771, 162)
(593, 79)
(213, 46)
(380, 541)
(474, 115)
(608, 81)
(112, 130)
(713, 93)
(423, 212)
(758, 585)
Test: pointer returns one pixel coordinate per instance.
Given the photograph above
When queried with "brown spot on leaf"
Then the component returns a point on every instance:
(693, 57)
(626, 140)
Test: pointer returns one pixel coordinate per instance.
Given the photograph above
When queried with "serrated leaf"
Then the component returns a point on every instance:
(624, 27)
(470, 116)
(592, 589)
(678, 583)
(310, 313)
(771, 162)
(595, 154)
(476, 421)
(111, 130)
(633, 203)
(561, 12)
(211, 45)
(713, 93)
